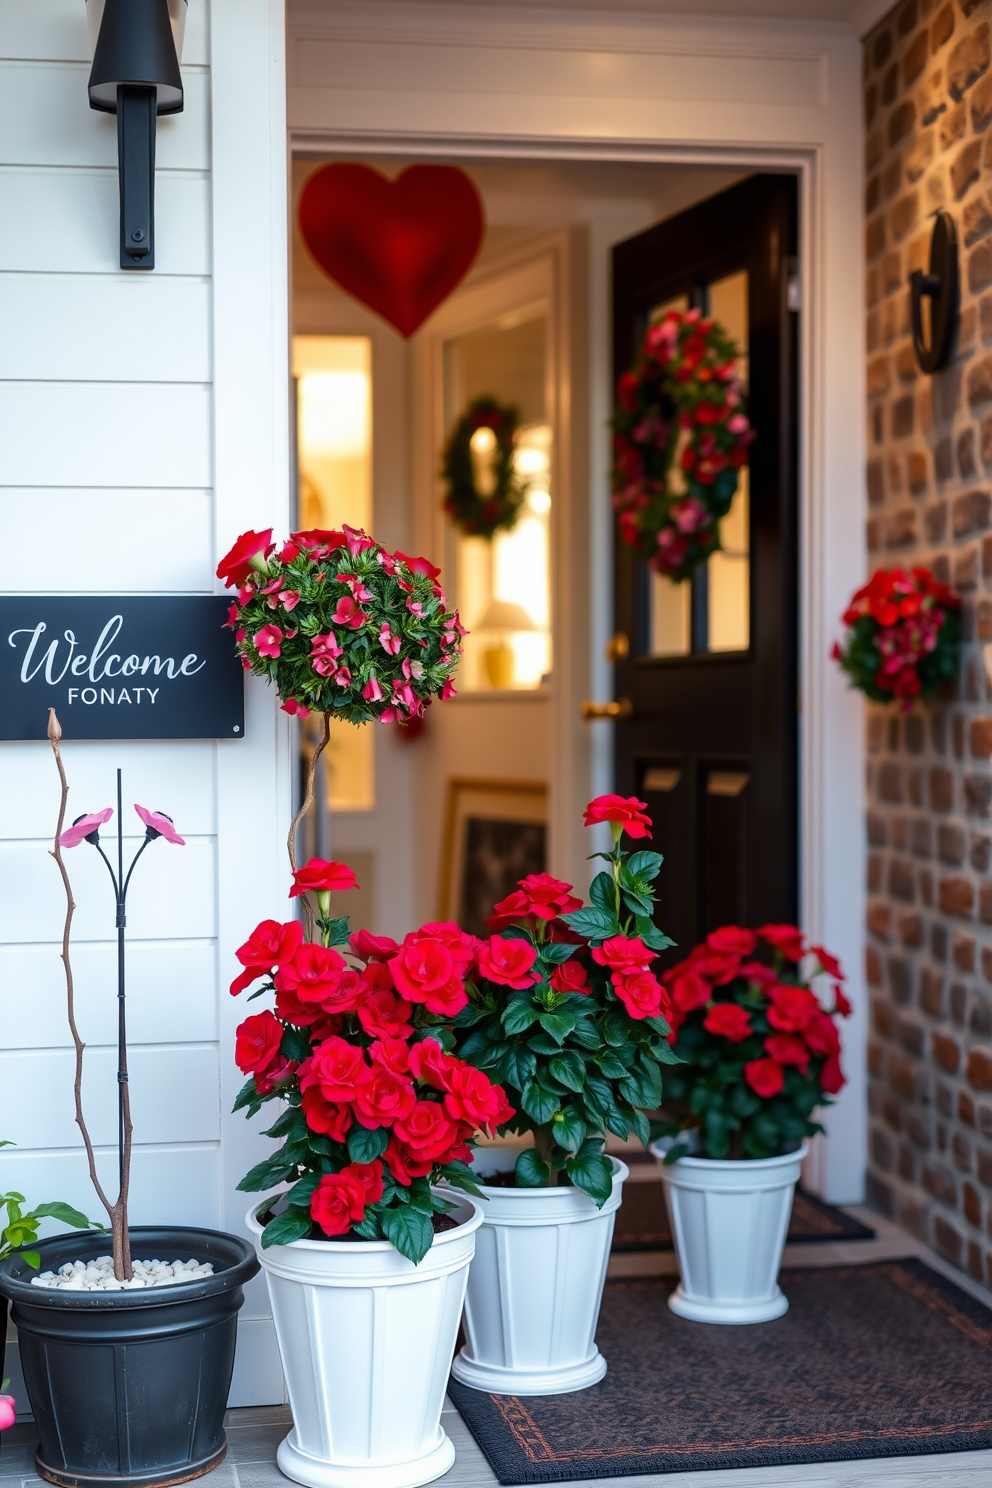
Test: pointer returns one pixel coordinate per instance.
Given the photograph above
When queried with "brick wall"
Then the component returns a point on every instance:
(928, 111)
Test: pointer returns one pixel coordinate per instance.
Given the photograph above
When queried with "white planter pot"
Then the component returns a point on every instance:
(534, 1290)
(366, 1340)
(729, 1222)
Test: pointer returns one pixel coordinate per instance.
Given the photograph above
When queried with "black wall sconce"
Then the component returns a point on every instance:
(137, 45)
(941, 286)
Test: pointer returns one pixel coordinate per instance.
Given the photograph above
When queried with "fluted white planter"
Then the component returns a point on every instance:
(366, 1340)
(729, 1221)
(534, 1290)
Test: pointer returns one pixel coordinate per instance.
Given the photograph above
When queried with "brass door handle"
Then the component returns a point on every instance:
(622, 709)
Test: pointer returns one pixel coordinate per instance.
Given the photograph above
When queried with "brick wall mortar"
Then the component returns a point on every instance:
(928, 144)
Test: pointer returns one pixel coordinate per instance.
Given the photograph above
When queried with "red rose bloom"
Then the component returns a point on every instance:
(338, 1068)
(829, 963)
(784, 938)
(792, 1007)
(235, 566)
(321, 877)
(330, 1118)
(509, 962)
(733, 939)
(268, 945)
(278, 1076)
(730, 1021)
(821, 1035)
(765, 1077)
(509, 911)
(383, 1098)
(369, 1175)
(373, 947)
(688, 990)
(431, 1065)
(842, 1005)
(625, 812)
(424, 970)
(471, 1096)
(463, 947)
(831, 1075)
(393, 1054)
(627, 954)
(337, 1203)
(787, 1048)
(258, 1040)
(384, 1015)
(570, 976)
(426, 1131)
(402, 1163)
(641, 994)
(538, 897)
(317, 975)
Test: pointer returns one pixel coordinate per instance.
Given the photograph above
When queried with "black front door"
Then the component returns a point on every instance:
(711, 669)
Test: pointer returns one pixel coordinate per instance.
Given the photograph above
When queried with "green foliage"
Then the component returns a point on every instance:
(21, 1229)
(575, 1064)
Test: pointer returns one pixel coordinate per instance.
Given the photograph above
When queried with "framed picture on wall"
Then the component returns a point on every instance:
(495, 832)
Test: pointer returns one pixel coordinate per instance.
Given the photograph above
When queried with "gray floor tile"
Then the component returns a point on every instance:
(261, 1475)
(255, 1443)
(258, 1415)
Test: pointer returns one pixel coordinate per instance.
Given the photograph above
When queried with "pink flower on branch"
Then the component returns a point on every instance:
(157, 824)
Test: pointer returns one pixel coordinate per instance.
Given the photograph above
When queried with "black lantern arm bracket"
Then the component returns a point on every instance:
(941, 285)
(136, 76)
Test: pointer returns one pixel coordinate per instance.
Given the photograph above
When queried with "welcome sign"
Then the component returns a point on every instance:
(119, 668)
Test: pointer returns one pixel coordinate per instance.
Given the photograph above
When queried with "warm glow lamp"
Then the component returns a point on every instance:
(505, 618)
(137, 45)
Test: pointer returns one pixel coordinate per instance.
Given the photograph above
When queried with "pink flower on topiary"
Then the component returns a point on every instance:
(8, 1411)
(268, 641)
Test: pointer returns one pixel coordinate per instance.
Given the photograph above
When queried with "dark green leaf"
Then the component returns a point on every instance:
(595, 924)
(337, 930)
(295, 1044)
(611, 1065)
(247, 1096)
(290, 1121)
(644, 865)
(593, 1174)
(410, 1231)
(651, 935)
(557, 951)
(569, 1129)
(294, 1224)
(569, 1069)
(585, 1033)
(365, 1146)
(559, 1025)
(369, 1228)
(531, 1170)
(67, 1215)
(615, 1025)
(518, 1065)
(266, 1174)
(603, 894)
(638, 904)
(539, 1104)
(519, 1015)
(300, 1194)
(460, 1175)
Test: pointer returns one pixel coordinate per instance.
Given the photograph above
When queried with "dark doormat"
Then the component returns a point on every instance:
(642, 1220)
(884, 1360)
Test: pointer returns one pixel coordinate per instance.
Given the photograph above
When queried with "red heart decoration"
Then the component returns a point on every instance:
(398, 246)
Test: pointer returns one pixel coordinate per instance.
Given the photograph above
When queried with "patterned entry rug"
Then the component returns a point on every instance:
(883, 1360)
(642, 1220)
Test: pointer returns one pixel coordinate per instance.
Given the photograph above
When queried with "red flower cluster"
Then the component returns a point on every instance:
(624, 813)
(538, 899)
(801, 1030)
(628, 960)
(685, 380)
(903, 631)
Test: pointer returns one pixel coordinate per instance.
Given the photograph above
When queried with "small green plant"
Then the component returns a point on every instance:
(22, 1229)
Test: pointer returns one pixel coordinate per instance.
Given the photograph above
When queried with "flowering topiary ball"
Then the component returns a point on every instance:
(342, 626)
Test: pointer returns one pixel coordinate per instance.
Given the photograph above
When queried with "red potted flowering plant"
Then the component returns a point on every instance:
(759, 1052)
(904, 630)
(567, 1014)
(375, 1112)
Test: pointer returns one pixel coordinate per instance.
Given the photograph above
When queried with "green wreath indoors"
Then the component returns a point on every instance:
(484, 493)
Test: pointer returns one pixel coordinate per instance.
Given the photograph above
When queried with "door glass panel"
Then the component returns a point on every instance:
(334, 459)
(670, 616)
(504, 586)
(729, 571)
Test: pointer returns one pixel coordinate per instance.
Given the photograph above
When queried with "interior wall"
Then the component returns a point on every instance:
(143, 427)
(928, 107)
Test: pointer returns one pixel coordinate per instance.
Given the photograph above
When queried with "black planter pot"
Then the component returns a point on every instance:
(130, 1387)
